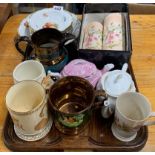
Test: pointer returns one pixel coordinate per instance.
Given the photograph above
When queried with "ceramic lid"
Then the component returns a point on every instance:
(79, 67)
(116, 82)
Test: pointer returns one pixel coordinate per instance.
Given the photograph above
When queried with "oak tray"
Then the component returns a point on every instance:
(97, 136)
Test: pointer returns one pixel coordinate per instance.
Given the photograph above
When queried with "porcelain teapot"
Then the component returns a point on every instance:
(84, 69)
(114, 83)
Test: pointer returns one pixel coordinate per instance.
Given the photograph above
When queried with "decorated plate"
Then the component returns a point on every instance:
(50, 18)
(25, 30)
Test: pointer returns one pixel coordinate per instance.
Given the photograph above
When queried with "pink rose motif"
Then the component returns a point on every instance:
(90, 39)
(117, 35)
(95, 38)
(110, 37)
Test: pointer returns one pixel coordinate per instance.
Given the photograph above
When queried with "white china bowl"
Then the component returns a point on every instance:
(74, 23)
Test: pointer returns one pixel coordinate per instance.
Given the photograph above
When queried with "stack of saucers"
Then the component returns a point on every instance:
(62, 20)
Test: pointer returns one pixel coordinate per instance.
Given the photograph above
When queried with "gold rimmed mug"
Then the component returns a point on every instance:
(46, 43)
(72, 99)
(26, 102)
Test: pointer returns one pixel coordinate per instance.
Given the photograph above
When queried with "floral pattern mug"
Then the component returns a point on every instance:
(93, 36)
(113, 32)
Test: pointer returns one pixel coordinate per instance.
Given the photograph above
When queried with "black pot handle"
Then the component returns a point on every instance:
(29, 47)
(66, 37)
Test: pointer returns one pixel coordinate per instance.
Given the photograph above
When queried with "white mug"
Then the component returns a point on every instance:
(29, 70)
(26, 102)
(132, 111)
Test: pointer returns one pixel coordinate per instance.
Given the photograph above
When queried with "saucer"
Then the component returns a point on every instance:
(59, 19)
(42, 134)
(115, 132)
(23, 30)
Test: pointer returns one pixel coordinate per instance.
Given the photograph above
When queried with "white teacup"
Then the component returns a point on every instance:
(26, 102)
(131, 113)
(29, 70)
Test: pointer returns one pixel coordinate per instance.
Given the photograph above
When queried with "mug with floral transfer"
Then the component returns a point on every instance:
(26, 102)
(133, 111)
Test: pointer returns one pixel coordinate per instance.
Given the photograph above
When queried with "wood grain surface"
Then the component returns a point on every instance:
(143, 63)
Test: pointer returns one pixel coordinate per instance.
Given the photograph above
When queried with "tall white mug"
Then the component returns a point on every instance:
(132, 111)
(26, 102)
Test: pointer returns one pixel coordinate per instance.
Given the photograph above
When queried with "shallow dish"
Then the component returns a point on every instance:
(23, 29)
(74, 28)
(59, 19)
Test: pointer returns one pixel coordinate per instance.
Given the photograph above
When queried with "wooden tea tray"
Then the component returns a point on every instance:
(97, 136)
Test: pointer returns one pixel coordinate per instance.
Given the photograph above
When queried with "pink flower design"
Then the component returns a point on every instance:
(90, 39)
(110, 37)
(117, 35)
(95, 38)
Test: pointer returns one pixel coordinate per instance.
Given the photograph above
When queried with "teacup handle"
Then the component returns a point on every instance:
(47, 82)
(148, 123)
(50, 79)
(29, 47)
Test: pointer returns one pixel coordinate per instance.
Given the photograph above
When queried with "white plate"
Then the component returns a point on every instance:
(76, 24)
(24, 31)
(61, 19)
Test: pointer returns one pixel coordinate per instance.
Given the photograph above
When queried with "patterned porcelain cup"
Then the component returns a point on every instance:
(93, 36)
(113, 38)
(131, 113)
(26, 102)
